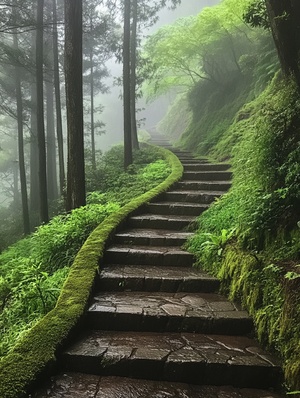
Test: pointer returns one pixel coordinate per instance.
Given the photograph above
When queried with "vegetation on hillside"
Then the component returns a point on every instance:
(239, 106)
(33, 270)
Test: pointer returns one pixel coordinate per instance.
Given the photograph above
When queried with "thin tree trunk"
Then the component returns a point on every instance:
(92, 114)
(19, 100)
(34, 157)
(74, 98)
(134, 135)
(51, 147)
(59, 129)
(40, 115)
(126, 87)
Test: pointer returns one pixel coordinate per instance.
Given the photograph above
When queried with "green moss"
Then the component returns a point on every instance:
(272, 301)
(37, 348)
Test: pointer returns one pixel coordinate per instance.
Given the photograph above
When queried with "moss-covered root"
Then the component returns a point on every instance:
(37, 348)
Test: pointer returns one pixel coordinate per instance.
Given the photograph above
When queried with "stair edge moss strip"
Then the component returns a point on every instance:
(37, 348)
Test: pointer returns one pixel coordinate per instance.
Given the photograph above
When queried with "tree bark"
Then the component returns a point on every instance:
(40, 115)
(134, 135)
(93, 148)
(126, 87)
(51, 147)
(284, 16)
(59, 129)
(19, 100)
(74, 98)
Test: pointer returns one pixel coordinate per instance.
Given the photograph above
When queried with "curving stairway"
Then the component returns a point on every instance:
(157, 327)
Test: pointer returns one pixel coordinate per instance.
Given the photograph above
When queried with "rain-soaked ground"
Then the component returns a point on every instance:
(71, 385)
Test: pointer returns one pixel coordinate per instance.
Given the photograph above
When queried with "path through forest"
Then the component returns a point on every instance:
(157, 327)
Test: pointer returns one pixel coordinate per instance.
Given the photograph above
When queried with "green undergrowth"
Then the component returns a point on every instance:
(37, 348)
(250, 238)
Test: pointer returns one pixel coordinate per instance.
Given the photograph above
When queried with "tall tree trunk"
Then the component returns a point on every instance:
(284, 17)
(34, 153)
(59, 129)
(74, 98)
(92, 113)
(25, 211)
(40, 115)
(51, 147)
(134, 135)
(126, 87)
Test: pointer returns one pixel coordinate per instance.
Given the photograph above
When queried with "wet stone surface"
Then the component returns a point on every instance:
(160, 221)
(181, 304)
(76, 385)
(177, 208)
(152, 255)
(184, 357)
(152, 237)
(152, 278)
(164, 311)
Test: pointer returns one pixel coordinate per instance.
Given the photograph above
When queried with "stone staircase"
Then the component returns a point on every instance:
(157, 327)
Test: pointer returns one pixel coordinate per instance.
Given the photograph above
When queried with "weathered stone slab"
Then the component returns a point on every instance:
(160, 312)
(148, 255)
(152, 237)
(160, 221)
(185, 357)
(77, 385)
(177, 208)
(186, 184)
(207, 175)
(207, 167)
(154, 278)
(193, 196)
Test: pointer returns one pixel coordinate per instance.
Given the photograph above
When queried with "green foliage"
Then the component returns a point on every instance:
(256, 15)
(33, 270)
(37, 347)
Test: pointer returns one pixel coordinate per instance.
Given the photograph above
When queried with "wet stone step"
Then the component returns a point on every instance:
(204, 197)
(161, 221)
(167, 312)
(117, 277)
(154, 237)
(203, 185)
(207, 167)
(176, 208)
(207, 175)
(190, 358)
(148, 255)
(79, 385)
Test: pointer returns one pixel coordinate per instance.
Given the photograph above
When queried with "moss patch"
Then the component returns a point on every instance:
(37, 348)
(272, 300)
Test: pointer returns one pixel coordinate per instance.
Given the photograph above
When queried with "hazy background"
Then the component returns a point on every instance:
(113, 112)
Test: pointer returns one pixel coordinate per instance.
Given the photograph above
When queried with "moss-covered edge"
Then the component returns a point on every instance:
(272, 301)
(38, 347)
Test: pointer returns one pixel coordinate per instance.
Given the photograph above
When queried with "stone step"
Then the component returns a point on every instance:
(176, 208)
(189, 358)
(167, 312)
(160, 221)
(118, 277)
(152, 237)
(192, 160)
(207, 175)
(204, 197)
(148, 255)
(206, 167)
(79, 385)
(202, 185)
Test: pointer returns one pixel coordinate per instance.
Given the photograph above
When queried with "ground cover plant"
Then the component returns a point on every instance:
(250, 238)
(33, 270)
